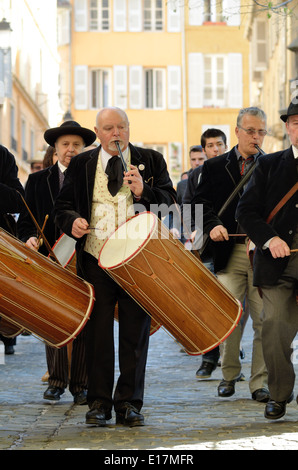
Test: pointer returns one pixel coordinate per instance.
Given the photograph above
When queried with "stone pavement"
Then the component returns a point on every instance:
(182, 414)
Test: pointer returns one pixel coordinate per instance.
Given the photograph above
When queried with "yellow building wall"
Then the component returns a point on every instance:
(216, 39)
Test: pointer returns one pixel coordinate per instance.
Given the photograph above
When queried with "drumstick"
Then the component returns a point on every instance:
(294, 250)
(39, 230)
(237, 234)
(40, 239)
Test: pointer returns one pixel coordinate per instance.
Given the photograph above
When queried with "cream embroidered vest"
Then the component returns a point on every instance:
(107, 212)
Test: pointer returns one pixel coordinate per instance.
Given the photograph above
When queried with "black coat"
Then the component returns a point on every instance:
(273, 177)
(75, 198)
(41, 191)
(220, 175)
(11, 189)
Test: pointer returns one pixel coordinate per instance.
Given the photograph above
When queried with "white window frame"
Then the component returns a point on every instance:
(151, 22)
(233, 84)
(103, 21)
(102, 97)
(151, 85)
(214, 83)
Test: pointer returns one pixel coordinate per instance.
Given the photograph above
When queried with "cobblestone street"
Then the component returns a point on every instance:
(181, 412)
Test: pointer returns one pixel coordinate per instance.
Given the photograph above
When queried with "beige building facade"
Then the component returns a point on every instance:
(175, 68)
(274, 67)
(29, 70)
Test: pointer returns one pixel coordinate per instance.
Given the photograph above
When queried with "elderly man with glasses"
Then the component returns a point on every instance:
(227, 243)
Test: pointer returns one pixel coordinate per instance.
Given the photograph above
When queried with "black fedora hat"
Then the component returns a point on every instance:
(292, 110)
(66, 128)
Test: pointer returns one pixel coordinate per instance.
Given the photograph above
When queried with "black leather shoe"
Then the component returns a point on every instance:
(129, 416)
(8, 349)
(226, 388)
(98, 415)
(205, 371)
(80, 398)
(53, 393)
(276, 409)
(261, 394)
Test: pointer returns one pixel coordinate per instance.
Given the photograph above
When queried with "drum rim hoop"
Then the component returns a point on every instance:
(63, 235)
(140, 246)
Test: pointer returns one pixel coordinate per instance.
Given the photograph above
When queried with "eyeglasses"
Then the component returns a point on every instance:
(261, 132)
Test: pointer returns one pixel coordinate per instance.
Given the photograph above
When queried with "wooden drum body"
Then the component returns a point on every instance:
(8, 329)
(170, 283)
(40, 295)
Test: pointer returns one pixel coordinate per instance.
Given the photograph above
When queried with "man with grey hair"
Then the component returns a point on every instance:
(268, 212)
(220, 176)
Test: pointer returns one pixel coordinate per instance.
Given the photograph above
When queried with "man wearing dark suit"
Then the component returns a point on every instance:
(41, 191)
(220, 176)
(11, 191)
(275, 266)
(87, 195)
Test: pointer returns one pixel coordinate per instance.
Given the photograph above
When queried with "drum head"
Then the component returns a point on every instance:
(64, 249)
(127, 240)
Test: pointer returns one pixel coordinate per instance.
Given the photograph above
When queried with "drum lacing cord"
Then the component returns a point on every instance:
(42, 270)
(145, 296)
(178, 301)
(189, 279)
(40, 291)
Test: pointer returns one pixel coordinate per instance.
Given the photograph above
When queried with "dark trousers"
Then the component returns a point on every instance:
(280, 326)
(58, 366)
(134, 330)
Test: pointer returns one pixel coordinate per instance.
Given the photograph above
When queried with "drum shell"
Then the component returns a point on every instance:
(64, 250)
(8, 329)
(178, 291)
(41, 296)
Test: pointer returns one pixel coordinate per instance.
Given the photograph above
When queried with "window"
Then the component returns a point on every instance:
(214, 86)
(153, 15)
(99, 19)
(100, 88)
(154, 89)
(215, 80)
(213, 11)
(13, 142)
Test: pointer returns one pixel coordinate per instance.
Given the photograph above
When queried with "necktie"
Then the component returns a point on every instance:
(114, 171)
(61, 178)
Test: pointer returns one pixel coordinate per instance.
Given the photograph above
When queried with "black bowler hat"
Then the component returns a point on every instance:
(69, 127)
(292, 110)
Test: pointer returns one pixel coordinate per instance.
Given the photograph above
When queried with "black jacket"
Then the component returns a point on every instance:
(220, 175)
(41, 191)
(11, 190)
(75, 198)
(273, 177)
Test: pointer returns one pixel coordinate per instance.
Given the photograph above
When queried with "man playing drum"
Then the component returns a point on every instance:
(90, 199)
(42, 188)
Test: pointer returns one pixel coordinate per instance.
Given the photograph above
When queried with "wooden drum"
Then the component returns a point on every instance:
(65, 252)
(170, 283)
(8, 329)
(40, 295)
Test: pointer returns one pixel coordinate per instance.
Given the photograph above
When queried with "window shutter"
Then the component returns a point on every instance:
(174, 87)
(135, 86)
(81, 19)
(135, 15)
(174, 17)
(120, 86)
(231, 12)
(195, 80)
(235, 93)
(195, 13)
(81, 86)
(119, 15)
